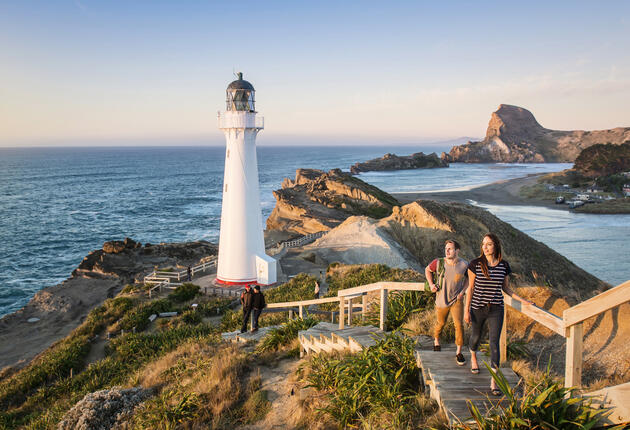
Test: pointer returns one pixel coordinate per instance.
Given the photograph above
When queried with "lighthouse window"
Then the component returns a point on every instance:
(226, 188)
(242, 100)
(228, 154)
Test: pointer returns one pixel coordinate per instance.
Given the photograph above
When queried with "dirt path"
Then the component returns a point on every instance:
(282, 393)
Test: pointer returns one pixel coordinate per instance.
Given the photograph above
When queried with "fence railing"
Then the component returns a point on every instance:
(303, 240)
(569, 326)
(163, 279)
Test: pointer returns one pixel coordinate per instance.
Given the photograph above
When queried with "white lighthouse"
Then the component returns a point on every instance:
(242, 258)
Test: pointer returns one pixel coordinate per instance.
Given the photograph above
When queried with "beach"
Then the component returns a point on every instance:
(503, 192)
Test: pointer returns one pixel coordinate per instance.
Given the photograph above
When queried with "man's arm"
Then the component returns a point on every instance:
(429, 275)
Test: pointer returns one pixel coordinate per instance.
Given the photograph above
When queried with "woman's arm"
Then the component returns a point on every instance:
(510, 292)
(469, 293)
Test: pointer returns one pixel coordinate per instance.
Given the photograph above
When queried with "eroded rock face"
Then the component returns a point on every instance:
(318, 201)
(514, 136)
(419, 160)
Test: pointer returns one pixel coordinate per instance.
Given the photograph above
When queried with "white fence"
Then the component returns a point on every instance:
(172, 280)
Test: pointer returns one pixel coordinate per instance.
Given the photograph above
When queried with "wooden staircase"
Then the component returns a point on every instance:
(327, 337)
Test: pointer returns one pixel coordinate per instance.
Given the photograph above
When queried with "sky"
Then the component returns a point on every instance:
(137, 72)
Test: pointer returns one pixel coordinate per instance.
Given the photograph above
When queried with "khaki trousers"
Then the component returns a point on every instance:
(457, 313)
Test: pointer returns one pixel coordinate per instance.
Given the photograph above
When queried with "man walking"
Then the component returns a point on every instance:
(447, 278)
(258, 304)
(246, 301)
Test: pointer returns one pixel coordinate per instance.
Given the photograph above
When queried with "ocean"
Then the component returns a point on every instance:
(58, 204)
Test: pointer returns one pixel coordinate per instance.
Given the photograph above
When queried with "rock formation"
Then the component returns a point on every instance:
(514, 136)
(603, 160)
(318, 201)
(393, 162)
(105, 409)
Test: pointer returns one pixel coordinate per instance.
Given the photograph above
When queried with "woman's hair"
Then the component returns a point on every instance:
(454, 242)
(497, 253)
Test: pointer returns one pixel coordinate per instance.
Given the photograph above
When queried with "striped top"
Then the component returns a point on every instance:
(488, 290)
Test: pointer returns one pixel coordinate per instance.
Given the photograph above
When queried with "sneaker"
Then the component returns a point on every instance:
(459, 358)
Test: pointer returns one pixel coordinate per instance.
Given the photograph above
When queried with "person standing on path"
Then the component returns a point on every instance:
(488, 278)
(258, 304)
(316, 291)
(447, 278)
(246, 301)
(189, 274)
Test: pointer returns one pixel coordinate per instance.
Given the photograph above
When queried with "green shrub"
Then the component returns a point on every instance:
(138, 317)
(191, 317)
(184, 293)
(548, 405)
(209, 308)
(168, 410)
(381, 378)
(284, 335)
(301, 287)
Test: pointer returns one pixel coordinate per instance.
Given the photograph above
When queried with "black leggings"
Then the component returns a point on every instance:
(494, 315)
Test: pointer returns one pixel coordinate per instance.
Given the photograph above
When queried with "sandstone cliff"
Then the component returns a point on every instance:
(318, 201)
(514, 136)
(419, 160)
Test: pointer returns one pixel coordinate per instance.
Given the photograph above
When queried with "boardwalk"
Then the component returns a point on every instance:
(452, 385)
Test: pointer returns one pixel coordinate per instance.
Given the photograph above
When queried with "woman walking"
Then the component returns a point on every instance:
(488, 277)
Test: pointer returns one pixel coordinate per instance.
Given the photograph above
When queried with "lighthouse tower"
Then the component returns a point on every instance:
(242, 258)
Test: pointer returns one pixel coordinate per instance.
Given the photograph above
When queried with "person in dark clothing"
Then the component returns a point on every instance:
(189, 273)
(246, 301)
(258, 304)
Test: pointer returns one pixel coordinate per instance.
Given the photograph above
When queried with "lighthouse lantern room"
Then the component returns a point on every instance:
(242, 258)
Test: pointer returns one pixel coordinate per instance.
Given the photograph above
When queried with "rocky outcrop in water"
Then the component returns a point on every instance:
(419, 160)
(317, 201)
(514, 136)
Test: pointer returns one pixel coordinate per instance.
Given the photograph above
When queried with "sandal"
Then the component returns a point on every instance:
(474, 370)
(496, 392)
(437, 348)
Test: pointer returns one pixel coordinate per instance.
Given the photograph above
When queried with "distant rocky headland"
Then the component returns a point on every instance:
(419, 160)
(514, 136)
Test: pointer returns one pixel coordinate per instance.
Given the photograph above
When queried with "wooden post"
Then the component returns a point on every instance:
(573, 366)
(364, 303)
(332, 317)
(342, 313)
(383, 308)
(301, 311)
(503, 338)
(290, 314)
(350, 311)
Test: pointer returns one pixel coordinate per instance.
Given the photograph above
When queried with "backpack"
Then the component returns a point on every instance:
(440, 276)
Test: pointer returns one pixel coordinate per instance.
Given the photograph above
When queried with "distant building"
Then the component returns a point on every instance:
(626, 190)
(583, 197)
(594, 189)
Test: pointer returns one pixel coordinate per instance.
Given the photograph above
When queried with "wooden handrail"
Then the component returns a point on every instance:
(596, 305)
(549, 320)
(302, 303)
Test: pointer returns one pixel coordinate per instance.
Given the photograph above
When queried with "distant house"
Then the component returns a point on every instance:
(594, 189)
(626, 190)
